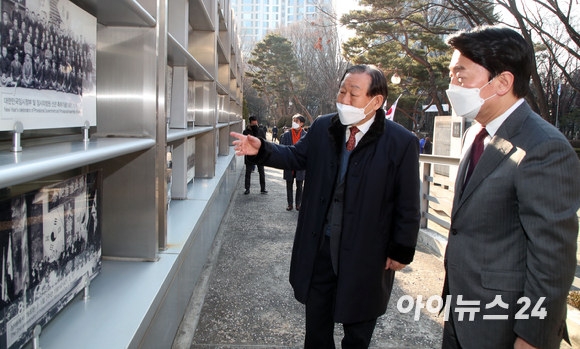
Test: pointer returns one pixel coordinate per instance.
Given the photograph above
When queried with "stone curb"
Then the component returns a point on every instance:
(438, 242)
(432, 239)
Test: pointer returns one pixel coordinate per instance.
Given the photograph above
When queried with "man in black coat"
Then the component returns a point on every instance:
(360, 211)
(255, 131)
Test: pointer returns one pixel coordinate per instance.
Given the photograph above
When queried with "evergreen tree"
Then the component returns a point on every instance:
(275, 74)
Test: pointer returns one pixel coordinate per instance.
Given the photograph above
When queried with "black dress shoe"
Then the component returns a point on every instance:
(297, 207)
(264, 191)
(289, 208)
(247, 192)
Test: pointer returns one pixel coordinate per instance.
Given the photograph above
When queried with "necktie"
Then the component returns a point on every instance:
(351, 140)
(476, 151)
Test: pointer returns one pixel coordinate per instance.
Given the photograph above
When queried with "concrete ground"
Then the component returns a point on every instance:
(244, 299)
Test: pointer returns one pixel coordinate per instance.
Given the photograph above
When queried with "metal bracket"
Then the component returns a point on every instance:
(86, 297)
(16, 133)
(36, 338)
(86, 128)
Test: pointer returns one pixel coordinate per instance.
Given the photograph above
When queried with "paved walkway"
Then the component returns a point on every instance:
(244, 299)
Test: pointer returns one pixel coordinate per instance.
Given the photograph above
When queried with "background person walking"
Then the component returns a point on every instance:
(290, 138)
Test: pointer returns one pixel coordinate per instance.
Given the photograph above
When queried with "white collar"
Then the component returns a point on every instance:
(496, 123)
(364, 128)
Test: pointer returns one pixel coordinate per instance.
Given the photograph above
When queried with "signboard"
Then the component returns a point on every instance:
(47, 65)
(50, 242)
(457, 129)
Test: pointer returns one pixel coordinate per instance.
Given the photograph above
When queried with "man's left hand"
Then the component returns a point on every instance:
(522, 344)
(394, 265)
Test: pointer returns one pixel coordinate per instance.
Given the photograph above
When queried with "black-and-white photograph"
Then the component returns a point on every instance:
(190, 147)
(47, 64)
(51, 246)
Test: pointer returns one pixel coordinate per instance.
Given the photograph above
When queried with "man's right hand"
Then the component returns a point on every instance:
(246, 145)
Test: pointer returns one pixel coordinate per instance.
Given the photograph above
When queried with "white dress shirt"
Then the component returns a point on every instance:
(491, 128)
(362, 129)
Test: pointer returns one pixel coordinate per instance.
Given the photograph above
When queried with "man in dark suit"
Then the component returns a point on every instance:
(360, 211)
(255, 131)
(511, 253)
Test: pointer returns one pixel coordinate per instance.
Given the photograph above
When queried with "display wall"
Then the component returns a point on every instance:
(168, 92)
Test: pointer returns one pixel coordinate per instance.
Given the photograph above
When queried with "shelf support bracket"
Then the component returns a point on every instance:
(86, 128)
(86, 297)
(16, 134)
(36, 337)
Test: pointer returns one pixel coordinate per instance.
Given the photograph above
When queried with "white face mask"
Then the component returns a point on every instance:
(295, 125)
(350, 115)
(466, 101)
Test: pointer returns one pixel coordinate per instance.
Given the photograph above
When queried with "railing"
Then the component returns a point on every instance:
(436, 192)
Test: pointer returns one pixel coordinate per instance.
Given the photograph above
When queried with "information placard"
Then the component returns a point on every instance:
(50, 241)
(47, 65)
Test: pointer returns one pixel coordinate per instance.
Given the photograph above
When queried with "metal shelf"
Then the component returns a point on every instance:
(118, 12)
(223, 26)
(126, 294)
(199, 17)
(221, 90)
(175, 134)
(36, 162)
(221, 51)
(178, 56)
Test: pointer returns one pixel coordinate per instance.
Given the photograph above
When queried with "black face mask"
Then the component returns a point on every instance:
(254, 127)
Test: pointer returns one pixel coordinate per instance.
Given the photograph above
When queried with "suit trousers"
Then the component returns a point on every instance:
(320, 309)
(262, 176)
(449, 335)
(289, 185)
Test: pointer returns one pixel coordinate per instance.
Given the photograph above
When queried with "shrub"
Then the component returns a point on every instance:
(574, 299)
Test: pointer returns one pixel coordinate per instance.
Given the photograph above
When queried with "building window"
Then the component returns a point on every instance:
(310, 8)
(299, 17)
(246, 16)
(290, 18)
(247, 23)
(300, 10)
(266, 17)
(266, 8)
(290, 10)
(247, 2)
(275, 8)
(247, 9)
(300, 2)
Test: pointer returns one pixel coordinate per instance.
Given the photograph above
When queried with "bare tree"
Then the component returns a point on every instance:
(551, 23)
(317, 50)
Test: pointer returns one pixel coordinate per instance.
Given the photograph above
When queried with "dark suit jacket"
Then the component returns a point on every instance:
(381, 209)
(513, 234)
(258, 133)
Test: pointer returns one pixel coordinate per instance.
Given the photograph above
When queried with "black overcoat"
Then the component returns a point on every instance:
(381, 210)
